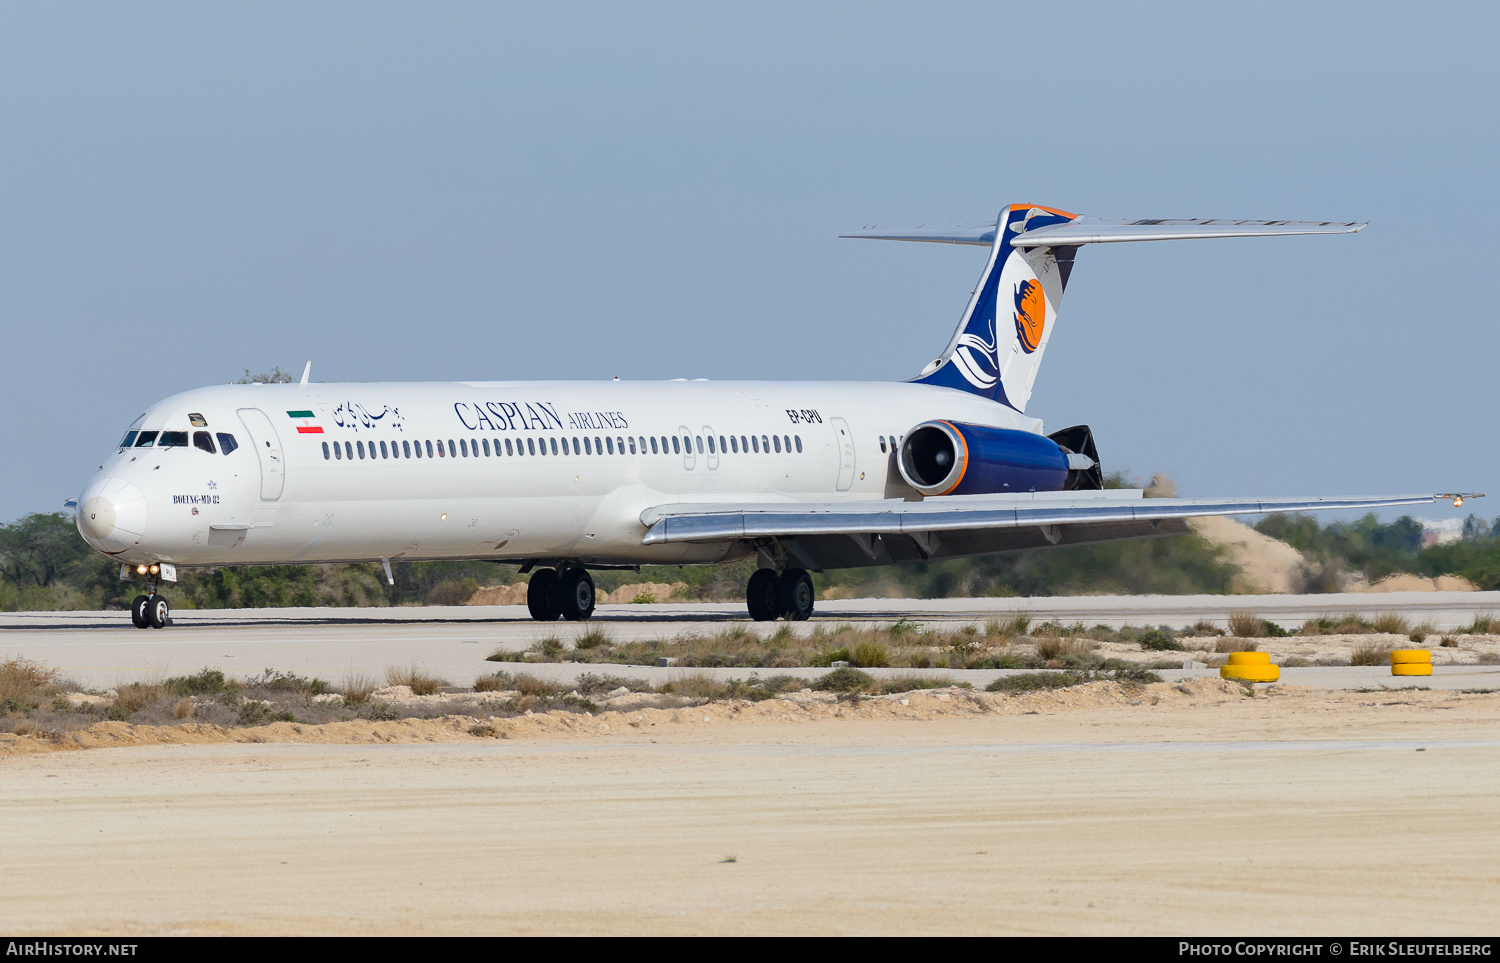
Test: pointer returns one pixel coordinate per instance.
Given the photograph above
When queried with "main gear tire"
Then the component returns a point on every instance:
(760, 595)
(138, 612)
(577, 595)
(542, 595)
(795, 595)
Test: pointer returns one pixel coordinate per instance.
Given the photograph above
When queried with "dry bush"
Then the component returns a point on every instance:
(1371, 653)
(870, 655)
(911, 683)
(1058, 648)
(1485, 623)
(1246, 625)
(1389, 623)
(593, 639)
(132, 697)
(358, 687)
(1047, 630)
(1348, 624)
(453, 592)
(1236, 645)
(183, 709)
(1205, 627)
(419, 682)
(499, 682)
(25, 683)
(529, 685)
(1420, 632)
(696, 685)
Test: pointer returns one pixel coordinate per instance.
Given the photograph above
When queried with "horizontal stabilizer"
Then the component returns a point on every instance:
(1099, 230)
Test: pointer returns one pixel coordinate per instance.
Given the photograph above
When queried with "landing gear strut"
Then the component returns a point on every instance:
(569, 595)
(789, 595)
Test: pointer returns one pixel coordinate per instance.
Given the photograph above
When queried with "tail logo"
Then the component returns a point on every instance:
(975, 358)
(1031, 314)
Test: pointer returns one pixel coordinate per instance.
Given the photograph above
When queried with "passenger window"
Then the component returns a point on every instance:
(632, 446)
(598, 446)
(428, 446)
(734, 444)
(348, 451)
(676, 446)
(882, 444)
(787, 439)
(711, 449)
(588, 446)
(360, 447)
(172, 439)
(687, 443)
(530, 446)
(463, 447)
(486, 443)
(338, 452)
(765, 444)
(383, 453)
(722, 447)
(326, 456)
(610, 444)
(227, 442)
(619, 444)
(798, 440)
(554, 446)
(406, 448)
(452, 449)
(778, 443)
(201, 440)
(653, 445)
(507, 446)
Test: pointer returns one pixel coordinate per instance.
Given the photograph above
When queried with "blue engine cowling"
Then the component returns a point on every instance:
(950, 458)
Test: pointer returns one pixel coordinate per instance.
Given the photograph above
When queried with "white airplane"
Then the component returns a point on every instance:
(565, 476)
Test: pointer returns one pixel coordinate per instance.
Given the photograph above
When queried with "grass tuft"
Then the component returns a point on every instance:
(420, 683)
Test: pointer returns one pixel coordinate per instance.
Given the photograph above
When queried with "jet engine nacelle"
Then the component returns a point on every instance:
(951, 458)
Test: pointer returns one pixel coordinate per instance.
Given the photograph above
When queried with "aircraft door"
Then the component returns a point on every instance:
(267, 447)
(845, 440)
(688, 458)
(713, 447)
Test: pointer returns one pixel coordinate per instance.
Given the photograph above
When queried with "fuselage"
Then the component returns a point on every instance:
(511, 471)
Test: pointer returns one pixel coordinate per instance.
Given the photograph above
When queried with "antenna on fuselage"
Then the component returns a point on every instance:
(306, 372)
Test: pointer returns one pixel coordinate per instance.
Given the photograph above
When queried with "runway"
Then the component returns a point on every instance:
(102, 649)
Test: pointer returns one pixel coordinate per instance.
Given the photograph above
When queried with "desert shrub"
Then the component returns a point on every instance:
(530, 685)
(1246, 625)
(132, 697)
(1420, 632)
(1390, 623)
(1047, 630)
(1371, 653)
(1050, 648)
(904, 627)
(1204, 627)
(911, 683)
(357, 688)
(1489, 658)
(1034, 681)
(506, 655)
(551, 648)
(1483, 624)
(453, 592)
(24, 684)
(274, 681)
(1236, 645)
(1337, 625)
(1159, 641)
(845, 680)
(1447, 642)
(499, 682)
(420, 683)
(592, 639)
(870, 655)
(209, 682)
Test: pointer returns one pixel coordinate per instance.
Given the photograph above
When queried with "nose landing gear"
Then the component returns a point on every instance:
(569, 595)
(150, 611)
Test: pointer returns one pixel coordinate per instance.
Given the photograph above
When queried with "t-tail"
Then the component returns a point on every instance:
(998, 347)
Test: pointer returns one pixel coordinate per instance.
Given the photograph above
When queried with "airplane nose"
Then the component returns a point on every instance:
(112, 515)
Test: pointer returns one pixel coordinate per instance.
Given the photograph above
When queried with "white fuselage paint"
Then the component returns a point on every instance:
(278, 499)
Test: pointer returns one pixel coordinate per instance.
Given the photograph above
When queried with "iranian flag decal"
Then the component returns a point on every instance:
(305, 423)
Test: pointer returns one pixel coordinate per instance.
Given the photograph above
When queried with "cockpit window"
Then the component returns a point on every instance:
(173, 439)
(197, 420)
(227, 442)
(201, 440)
(129, 439)
(146, 439)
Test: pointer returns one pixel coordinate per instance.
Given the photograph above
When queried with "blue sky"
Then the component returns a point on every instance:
(454, 191)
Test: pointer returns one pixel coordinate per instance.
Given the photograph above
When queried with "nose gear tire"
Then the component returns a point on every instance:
(138, 612)
(158, 612)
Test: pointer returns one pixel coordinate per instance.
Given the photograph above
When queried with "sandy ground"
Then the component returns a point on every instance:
(1173, 809)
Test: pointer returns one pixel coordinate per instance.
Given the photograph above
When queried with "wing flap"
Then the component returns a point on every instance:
(710, 523)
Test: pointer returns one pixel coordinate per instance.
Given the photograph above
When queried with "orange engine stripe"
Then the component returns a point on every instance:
(966, 457)
(1049, 210)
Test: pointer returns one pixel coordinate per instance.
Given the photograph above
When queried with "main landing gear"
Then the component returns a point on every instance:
(788, 595)
(567, 594)
(150, 611)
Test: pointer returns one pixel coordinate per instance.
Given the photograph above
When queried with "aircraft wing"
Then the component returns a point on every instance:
(853, 534)
(1101, 230)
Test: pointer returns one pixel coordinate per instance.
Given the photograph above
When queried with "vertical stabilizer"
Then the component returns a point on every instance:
(998, 347)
